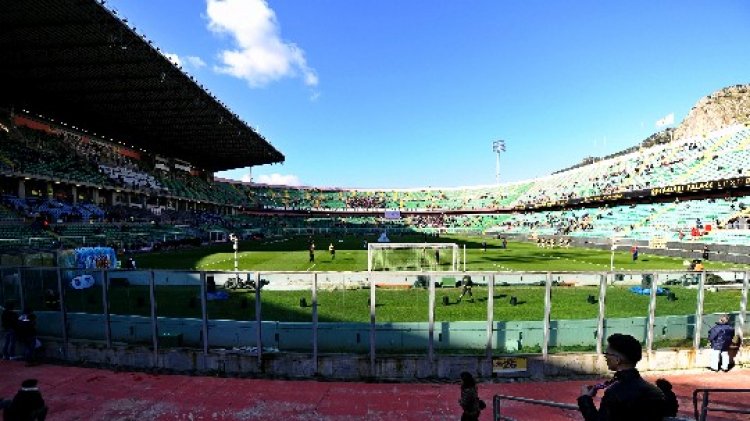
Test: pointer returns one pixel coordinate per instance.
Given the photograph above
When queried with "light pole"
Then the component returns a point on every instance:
(235, 240)
(497, 147)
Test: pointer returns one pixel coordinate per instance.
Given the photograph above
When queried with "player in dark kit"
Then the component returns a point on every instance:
(467, 284)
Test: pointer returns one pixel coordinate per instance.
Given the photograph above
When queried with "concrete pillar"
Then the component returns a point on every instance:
(74, 193)
(143, 201)
(129, 198)
(113, 198)
(95, 195)
(50, 190)
(21, 189)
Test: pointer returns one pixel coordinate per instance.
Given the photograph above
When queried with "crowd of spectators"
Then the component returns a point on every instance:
(365, 202)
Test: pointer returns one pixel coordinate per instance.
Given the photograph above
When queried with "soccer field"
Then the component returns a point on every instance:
(401, 305)
(351, 255)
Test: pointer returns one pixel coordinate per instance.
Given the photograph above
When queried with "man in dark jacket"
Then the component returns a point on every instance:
(627, 396)
(26, 334)
(720, 336)
(27, 405)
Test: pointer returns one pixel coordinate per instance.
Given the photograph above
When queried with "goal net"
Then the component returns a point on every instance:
(412, 256)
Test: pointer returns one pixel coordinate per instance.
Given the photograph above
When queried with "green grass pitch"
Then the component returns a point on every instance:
(292, 255)
(404, 305)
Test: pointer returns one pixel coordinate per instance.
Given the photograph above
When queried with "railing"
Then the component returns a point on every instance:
(121, 306)
(702, 413)
(497, 402)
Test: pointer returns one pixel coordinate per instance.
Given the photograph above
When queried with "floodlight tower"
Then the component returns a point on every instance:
(497, 147)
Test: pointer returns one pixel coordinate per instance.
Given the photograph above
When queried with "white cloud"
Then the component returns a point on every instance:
(190, 62)
(276, 179)
(174, 58)
(195, 62)
(260, 55)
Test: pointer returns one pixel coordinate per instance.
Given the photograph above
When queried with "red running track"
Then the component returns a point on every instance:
(74, 393)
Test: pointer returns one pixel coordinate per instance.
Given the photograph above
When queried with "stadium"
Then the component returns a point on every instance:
(116, 232)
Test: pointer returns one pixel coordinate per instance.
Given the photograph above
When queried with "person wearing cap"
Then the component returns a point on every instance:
(720, 336)
(626, 396)
(27, 405)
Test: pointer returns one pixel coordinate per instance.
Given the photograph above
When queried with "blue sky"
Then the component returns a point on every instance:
(411, 93)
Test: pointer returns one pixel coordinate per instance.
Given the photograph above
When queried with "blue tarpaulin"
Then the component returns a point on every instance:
(647, 291)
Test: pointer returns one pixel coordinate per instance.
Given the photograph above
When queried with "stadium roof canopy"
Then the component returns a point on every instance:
(76, 61)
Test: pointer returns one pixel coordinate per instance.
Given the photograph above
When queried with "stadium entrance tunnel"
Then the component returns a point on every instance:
(394, 325)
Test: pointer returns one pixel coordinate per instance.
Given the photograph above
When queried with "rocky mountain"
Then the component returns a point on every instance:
(725, 107)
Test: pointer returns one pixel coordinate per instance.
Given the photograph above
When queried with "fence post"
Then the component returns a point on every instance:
(21, 298)
(372, 326)
(315, 322)
(105, 307)
(602, 312)
(431, 328)
(204, 316)
(547, 313)
(743, 305)
(258, 321)
(652, 313)
(154, 320)
(699, 315)
(63, 313)
(490, 317)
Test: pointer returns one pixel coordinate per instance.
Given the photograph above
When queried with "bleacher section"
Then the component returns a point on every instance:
(38, 153)
(719, 221)
(724, 154)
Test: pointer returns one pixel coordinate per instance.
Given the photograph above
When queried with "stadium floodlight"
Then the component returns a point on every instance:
(412, 256)
(497, 147)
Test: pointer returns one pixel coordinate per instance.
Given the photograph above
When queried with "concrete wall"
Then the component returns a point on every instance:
(352, 367)
(510, 336)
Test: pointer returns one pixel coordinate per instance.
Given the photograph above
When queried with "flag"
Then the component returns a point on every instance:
(668, 120)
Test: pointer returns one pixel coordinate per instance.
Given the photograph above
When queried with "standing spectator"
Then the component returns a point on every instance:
(332, 249)
(312, 253)
(26, 334)
(720, 336)
(9, 320)
(672, 406)
(634, 251)
(627, 396)
(470, 403)
(27, 405)
(705, 252)
(505, 243)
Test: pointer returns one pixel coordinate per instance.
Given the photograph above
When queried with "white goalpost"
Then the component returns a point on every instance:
(412, 256)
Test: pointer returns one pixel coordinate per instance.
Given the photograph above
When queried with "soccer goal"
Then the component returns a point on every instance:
(412, 256)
